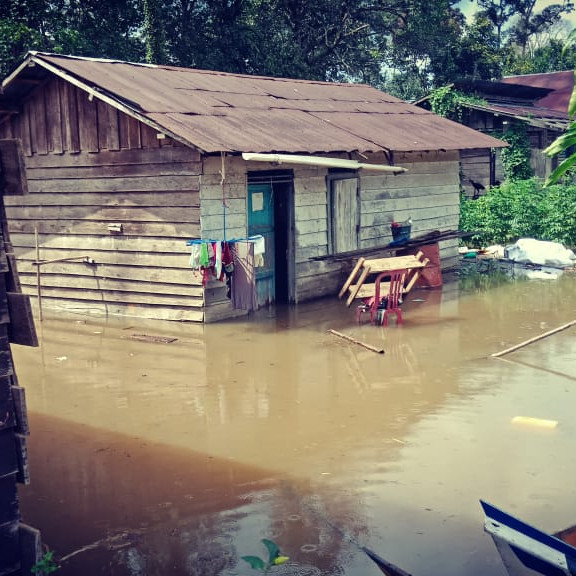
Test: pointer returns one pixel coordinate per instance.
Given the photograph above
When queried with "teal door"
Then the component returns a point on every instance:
(261, 221)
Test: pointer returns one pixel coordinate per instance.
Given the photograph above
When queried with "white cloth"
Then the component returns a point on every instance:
(195, 256)
(259, 249)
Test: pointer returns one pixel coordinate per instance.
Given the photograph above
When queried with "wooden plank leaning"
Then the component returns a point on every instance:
(351, 277)
(415, 276)
(356, 288)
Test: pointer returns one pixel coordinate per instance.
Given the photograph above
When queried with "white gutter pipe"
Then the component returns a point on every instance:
(320, 161)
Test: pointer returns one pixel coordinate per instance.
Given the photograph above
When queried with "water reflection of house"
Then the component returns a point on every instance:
(126, 162)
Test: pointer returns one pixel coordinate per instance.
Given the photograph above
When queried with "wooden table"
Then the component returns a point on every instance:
(382, 268)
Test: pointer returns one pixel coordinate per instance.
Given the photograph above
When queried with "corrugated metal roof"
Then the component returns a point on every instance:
(216, 111)
(561, 85)
(533, 115)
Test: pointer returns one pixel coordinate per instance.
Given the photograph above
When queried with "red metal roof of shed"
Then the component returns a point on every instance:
(216, 111)
(561, 85)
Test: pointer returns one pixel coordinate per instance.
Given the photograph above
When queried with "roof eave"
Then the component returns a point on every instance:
(557, 123)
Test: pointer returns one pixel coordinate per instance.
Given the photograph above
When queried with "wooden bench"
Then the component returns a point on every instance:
(412, 263)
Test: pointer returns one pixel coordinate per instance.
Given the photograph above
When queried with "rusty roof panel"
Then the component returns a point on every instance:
(269, 102)
(413, 132)
(216, 111)
(264, 131)
(561, 85)
(534, 112)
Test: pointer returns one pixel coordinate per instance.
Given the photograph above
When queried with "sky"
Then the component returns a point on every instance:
(469, 7)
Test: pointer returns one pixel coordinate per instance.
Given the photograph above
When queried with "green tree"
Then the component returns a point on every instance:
(499, 12)
(426, 41)
(480, 56)
(521, 18)
(530, 24)
(554, 56)
(565, 144)
(100, 28)
(155, 45)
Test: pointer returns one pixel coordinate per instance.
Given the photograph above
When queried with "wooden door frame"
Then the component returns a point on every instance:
(282, 182)
(330, 179)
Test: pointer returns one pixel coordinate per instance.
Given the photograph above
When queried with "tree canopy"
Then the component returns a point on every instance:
(407, 47)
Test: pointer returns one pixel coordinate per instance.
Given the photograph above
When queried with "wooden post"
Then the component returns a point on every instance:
(38, 286)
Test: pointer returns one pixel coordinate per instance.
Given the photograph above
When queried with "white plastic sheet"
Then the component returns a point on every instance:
(531, 251)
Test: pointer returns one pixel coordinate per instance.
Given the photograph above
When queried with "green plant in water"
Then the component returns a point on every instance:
(275, 558)
(46, 565)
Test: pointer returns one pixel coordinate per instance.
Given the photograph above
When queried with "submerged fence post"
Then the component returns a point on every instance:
(38, 285)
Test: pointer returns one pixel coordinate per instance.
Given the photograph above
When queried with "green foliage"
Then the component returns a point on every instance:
(99, 28)
(554, 56)
(480, 56)
(153, 32)
(15, 40)
(275, 558)
(516, 157)
(448, 103)
(565, 143)
(521, 209)
(46, 565)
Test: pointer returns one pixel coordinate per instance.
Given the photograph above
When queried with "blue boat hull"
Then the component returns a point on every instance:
(525, 550)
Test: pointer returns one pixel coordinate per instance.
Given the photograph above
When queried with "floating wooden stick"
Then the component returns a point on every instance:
(535, 339)
(363, 344)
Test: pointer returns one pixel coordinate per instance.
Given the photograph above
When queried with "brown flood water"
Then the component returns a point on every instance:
(153, 459)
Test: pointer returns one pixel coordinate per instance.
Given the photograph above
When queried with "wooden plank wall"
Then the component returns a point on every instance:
(13, 414)
(90, 166)
(475, 166)
(313, 278)
(428, 193)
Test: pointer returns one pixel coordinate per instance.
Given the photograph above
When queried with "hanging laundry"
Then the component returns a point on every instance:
(243, 285)
(259, 249)
(204, 258)
(195, 255)
(218, 259)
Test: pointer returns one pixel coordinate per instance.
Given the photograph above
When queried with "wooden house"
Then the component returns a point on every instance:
(538, 102)
(127, 163)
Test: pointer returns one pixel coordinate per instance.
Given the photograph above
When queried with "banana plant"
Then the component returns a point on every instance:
(566, 141)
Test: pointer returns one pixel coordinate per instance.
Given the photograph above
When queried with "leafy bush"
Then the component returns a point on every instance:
(516, 157)
(521, 209)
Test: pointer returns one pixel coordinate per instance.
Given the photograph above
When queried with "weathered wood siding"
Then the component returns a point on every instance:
(429, 193)
(15, 326)
(90, 166)
(313, 278)
(223, 216)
